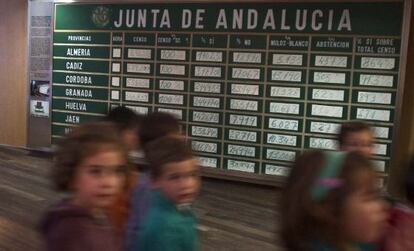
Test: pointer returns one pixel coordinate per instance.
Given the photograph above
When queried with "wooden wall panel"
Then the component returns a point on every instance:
(405, 135)
(13, 72)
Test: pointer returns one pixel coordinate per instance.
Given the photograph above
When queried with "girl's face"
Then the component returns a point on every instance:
(365, 214)
(99, 179)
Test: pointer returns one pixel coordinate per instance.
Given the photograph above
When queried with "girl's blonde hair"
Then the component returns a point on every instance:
(306, 219)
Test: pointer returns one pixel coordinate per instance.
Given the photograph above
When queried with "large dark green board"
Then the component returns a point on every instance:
(253, 83)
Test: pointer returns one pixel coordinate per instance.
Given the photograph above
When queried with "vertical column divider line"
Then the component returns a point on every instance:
(154, 82)
(190, 61)
(305, 99)
(262, 168)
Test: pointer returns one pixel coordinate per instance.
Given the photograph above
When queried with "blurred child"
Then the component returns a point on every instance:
(330, 202)
(400, 236)
(127, 123)
(170, 223)
(90, 165)
(357, 136)
(155, 125)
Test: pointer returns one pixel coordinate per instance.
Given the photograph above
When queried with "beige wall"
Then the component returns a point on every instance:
(13, 72)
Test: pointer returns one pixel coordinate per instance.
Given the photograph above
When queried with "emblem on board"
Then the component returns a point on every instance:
(101, 16)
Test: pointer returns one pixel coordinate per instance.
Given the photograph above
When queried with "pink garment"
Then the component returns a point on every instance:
(400, 236)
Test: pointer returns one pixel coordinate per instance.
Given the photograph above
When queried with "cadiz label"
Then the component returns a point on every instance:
(72, 119)
(75, 106)
(78, 52)
(74, 65)
(78, 93)
(76, 79)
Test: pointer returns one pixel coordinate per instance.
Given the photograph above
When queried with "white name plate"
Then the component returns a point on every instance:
(207, 117)
(242, 135)
(173, 55)
(171, 99)
(281, 139)
(206, 102)
(202, 131)
(169, 69)
(247, 57)
(136, 96)
(377, 63)
(285, 92)
(277, 170)
(373, 114)
(284, 124)
(207, 87)
(177, 85)
(331, 61)
(323, 127)
(327, 94)
(327, 111)
(204, 146)
(138, 83)
(289, 76)
(274, 154)
(245, 73)
(284, 108)
(376, 80)
(329, 77)
(381, 132)
(239, 104)
(206, 71)
(326, 144)
(245, 89)
(209, 56)
(374, 97)
(139, 53)
(138, 68)
(287, 59)
(243, 120)
(207, 162)
(239, 165)
(237, 150)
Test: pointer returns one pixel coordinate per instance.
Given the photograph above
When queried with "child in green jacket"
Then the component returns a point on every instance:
(170, 224)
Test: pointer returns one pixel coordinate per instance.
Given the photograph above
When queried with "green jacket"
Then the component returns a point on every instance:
(166, 228)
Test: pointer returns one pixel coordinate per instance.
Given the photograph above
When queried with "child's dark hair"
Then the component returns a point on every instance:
(306, 219)
(409, 182)
(83, 141)
(166, 150)
(156, 125)
(352, 126)
(124, 118)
